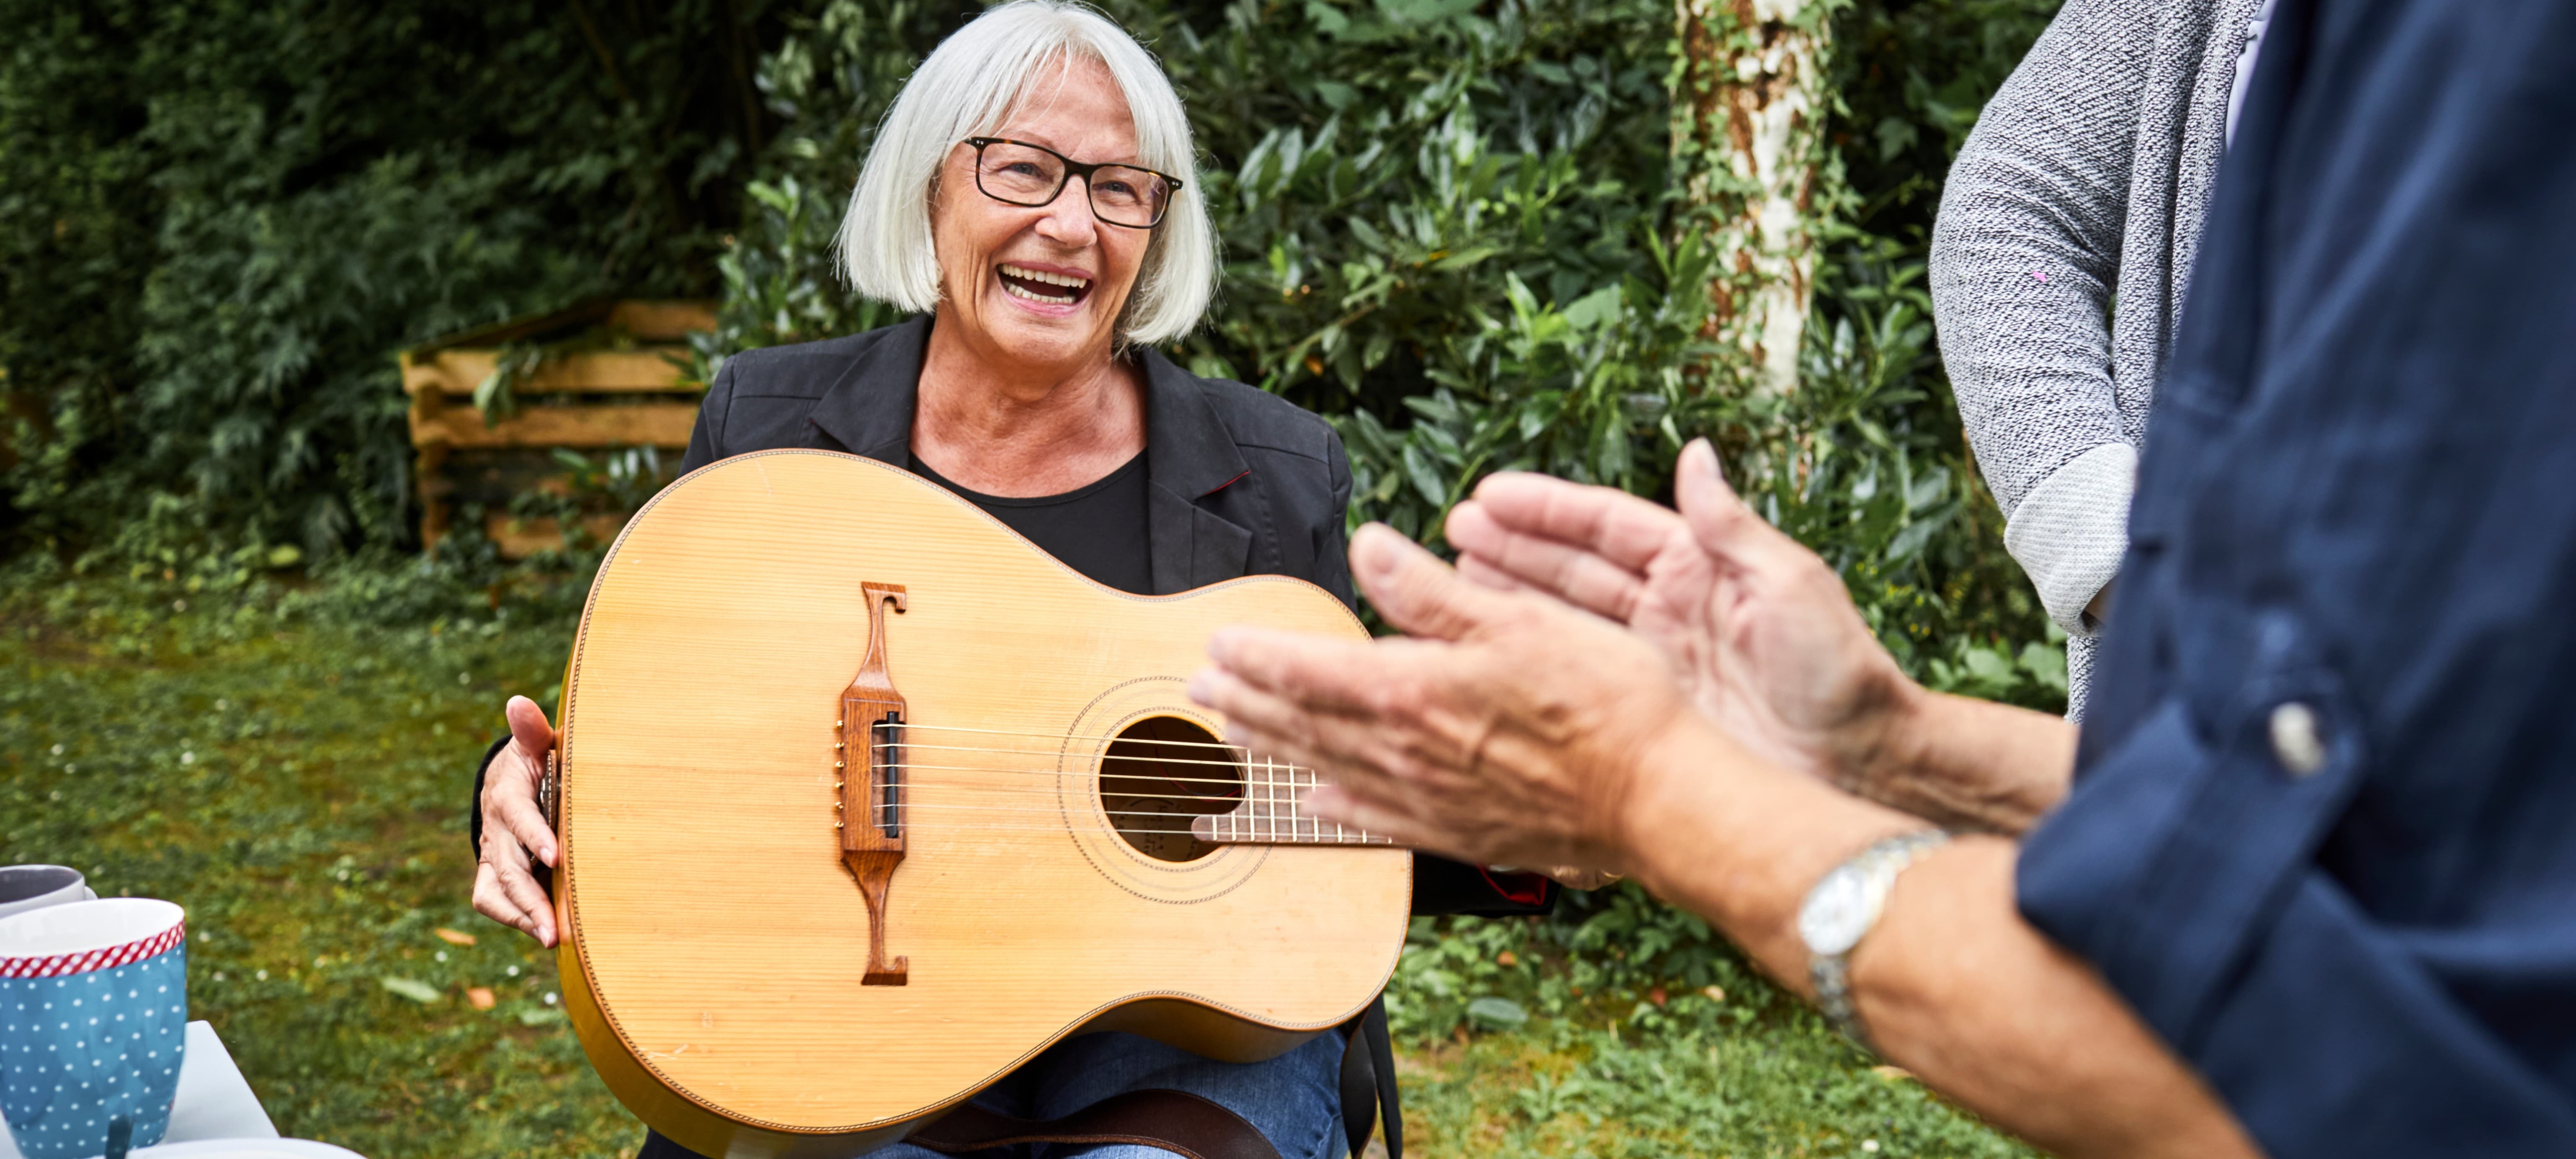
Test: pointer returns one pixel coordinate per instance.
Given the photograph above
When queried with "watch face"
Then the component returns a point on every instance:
(1837, 913)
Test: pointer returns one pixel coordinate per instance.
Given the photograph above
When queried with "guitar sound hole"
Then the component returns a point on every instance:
(1161, 773)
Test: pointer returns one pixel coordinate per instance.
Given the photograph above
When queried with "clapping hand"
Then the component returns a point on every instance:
(1760, 631)
(1507, 728)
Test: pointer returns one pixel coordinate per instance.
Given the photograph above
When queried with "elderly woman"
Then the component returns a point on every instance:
(1032, 196)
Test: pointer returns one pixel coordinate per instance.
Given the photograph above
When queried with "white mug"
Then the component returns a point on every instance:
(26, 887)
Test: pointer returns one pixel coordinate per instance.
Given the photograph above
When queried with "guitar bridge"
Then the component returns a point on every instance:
(871, 784)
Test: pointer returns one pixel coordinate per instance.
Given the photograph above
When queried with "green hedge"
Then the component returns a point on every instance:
(219, 220)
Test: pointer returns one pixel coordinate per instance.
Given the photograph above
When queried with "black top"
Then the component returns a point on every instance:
(1097, 529)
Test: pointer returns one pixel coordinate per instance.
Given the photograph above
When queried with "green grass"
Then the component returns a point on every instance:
(291, 766)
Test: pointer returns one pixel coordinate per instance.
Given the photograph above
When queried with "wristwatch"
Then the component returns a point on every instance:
(1842, 908)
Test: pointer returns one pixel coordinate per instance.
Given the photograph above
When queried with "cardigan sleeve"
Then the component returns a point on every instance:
(2025, 257)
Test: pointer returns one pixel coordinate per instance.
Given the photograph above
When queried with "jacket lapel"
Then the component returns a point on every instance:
(1189, 455)
(868, 411)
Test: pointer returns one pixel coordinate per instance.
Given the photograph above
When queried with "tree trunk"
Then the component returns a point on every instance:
(1748, 138)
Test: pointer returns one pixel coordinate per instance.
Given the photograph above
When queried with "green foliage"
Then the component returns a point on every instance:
(1454, 230)
(1418, 203)
(1909, 77)
(218, 221)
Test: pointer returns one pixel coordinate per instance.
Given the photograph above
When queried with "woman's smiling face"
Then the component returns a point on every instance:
(1041, 286)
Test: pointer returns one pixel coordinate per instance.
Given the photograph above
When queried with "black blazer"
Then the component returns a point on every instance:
(1238, 482)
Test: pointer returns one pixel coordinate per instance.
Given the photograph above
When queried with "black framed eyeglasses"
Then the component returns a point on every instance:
(1019, 173)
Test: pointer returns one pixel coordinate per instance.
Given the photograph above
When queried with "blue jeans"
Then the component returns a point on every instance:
(1295, 1100)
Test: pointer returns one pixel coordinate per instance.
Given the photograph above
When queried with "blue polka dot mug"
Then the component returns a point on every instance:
(93, 1020)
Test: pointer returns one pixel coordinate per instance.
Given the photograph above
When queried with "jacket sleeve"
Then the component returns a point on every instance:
(706, 439)
(474, 803)
(2024, 263)
(1332, 534)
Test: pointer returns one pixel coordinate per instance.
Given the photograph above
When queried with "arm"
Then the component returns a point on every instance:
(1952, 984)
(2025, 255)
(1451, 741)
(508, 833)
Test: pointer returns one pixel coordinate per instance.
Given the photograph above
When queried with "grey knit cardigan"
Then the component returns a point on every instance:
(2083, 184)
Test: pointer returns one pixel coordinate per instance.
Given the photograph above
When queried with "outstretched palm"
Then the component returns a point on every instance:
(1758, 629)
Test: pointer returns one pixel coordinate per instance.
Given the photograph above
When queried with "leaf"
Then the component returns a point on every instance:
(453, 937)
(417, 991)
(1425, 476)
(1497, 1012)
(1465, 258)
(1594, 308)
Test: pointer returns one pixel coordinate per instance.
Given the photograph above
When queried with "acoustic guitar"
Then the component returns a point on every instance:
(864, 801)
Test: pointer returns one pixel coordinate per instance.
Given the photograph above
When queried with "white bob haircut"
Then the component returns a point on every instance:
(968, 87)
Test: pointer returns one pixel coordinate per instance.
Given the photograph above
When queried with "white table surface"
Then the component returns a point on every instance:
(214, 1100)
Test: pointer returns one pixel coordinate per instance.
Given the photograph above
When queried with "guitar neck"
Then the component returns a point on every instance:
(1272, 813)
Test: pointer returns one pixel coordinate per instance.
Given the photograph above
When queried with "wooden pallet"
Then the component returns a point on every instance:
(611, 398)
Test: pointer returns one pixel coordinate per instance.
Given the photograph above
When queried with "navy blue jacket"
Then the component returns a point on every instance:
(2358, 497)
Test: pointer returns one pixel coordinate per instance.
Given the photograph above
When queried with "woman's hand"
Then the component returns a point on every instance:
(514, 830)
(1505, 730)
(1764, 637)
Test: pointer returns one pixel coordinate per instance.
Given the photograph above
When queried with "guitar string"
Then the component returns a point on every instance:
(1310, 833)
(1243, 834)
(1055, 794)
(1037, 753)
(1252, 819)
(881, 809)
(1059, 775)
(1042, 754)
(1301, 827)
(1294, 787)
(1240, 839)
(908, 725)
(1269, 795)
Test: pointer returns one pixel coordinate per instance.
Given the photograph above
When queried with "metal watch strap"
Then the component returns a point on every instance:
(1831, 973)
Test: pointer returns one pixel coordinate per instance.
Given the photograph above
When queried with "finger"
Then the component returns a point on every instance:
(522, 890)
(1280, 728)
(511, 897)
(528, 728)
(512, 801)
(1338, 804)
(1478, 571)
(1722, 523)
(1415, 591)
(1344, 746)
(1313, 672)
(491, 901)
(1611, 523)
(1571, 573)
